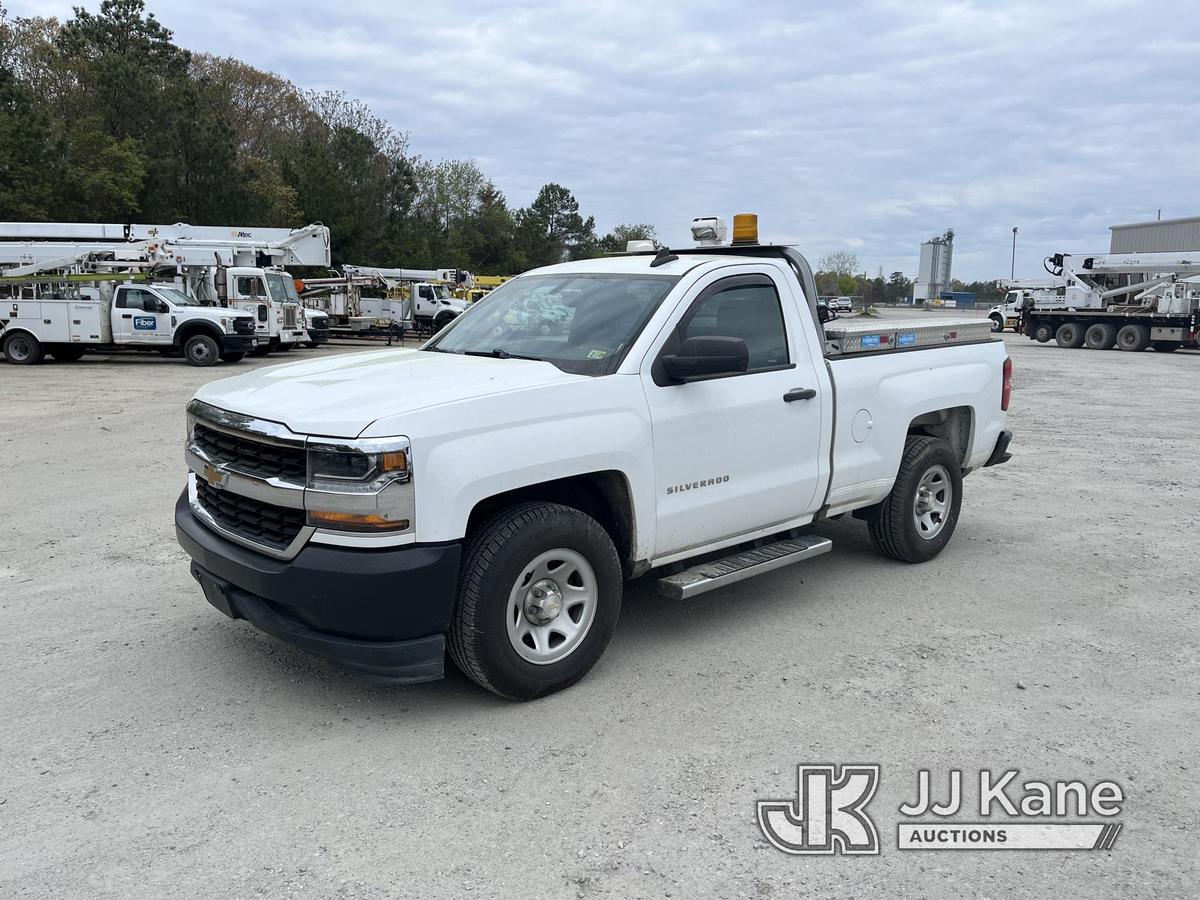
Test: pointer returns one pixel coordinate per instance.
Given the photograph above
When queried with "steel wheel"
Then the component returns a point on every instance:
(19, 348)
(931, 506)
(551, 606)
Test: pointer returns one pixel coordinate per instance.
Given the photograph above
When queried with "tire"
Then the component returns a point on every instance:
(1100, 336)
(997, 324)
(67, 353)
(232, 356)
(23, 349)
(492, 616)
(1164, 346)
(1069, 335)
(1043, 333)
(1133, 337)
(442, 321)
(201, 350)
(904, 531)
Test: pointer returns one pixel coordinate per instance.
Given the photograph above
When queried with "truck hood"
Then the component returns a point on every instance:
(211, 313)
(339, 396)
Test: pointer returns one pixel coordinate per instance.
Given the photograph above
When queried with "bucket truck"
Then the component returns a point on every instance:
(420, 298)
(237, 268)
(1042, 293)
(1130, 301)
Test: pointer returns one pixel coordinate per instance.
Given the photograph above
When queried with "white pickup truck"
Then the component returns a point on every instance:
(490, 493)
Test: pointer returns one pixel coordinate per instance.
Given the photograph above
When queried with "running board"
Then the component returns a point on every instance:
(740, 566)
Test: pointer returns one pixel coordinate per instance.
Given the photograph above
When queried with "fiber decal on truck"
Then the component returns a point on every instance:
(144, 323)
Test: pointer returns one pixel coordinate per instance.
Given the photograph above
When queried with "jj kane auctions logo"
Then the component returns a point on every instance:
(829, 814)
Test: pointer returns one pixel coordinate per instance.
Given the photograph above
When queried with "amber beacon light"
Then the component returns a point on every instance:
(745, 228)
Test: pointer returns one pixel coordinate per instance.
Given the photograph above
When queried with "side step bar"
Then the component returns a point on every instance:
(740, 566)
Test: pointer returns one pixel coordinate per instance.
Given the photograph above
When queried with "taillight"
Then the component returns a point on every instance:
(1006, 392)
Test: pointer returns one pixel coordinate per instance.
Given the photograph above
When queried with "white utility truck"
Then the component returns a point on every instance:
(490, 493)
(1129, 301)
(1024, 293)
(119, 315)
(421, 298)
(229, 266)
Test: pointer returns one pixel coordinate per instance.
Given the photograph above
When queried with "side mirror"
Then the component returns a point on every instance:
(704, 357)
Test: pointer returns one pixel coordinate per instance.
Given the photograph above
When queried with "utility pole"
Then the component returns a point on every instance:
(1012, 272)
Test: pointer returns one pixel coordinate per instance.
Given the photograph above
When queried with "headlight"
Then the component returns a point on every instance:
(225, 326)
(363, 485)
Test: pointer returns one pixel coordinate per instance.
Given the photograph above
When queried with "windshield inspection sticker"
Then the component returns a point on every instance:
(597, 354)
(829, 814)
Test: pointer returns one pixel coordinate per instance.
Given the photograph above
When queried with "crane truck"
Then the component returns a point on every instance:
(1130, 301)
(420, 297)
(228, 266)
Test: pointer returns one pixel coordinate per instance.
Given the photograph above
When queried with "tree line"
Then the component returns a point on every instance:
(838, 275)
(104, 118)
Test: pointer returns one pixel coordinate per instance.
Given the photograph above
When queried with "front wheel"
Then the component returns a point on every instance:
(201, 350)
(538, 599)
(918, 517)
(23, 349)
(997, 324)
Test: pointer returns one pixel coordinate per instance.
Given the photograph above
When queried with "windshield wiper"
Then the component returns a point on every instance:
(500, 353)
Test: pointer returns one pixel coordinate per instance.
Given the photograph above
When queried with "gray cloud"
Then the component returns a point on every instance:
(870, 125)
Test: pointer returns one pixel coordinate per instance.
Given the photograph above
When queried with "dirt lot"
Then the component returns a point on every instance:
(152, 747)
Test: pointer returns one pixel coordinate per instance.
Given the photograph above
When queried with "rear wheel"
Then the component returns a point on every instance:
(1043, 333)
(538, 599)
(1069, 335)
(1164, 346)
(917, 519)
(23, 349)
(232, 356)
(201, 350)
(67, 353)
(1133, 337)
(1100, 336)
(997, 323)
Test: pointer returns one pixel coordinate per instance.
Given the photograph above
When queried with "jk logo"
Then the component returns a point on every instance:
(827, 815)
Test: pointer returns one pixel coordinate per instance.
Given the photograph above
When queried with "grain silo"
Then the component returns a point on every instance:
(933, 273)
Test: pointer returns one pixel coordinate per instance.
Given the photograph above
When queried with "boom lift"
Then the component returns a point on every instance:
(420, 298)
(1126, 300)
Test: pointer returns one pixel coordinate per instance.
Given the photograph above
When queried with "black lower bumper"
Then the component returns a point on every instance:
(1000, 454)
(379, 613)
(318, 335)
(237, 343)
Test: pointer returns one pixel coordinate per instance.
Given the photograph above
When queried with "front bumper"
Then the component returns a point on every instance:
(237, 343)
(382, 614)
(318, 335)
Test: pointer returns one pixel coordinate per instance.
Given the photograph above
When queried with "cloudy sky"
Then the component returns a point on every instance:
(867, 126)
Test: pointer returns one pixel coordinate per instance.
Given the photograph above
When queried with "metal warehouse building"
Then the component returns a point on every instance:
(1161, 236)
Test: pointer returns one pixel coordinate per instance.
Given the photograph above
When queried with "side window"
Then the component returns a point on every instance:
(249, 286)
(750, 311)
(426, 293)
(136, 298)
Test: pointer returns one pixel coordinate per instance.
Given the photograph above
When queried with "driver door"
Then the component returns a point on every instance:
(140, 317)
(731, 454)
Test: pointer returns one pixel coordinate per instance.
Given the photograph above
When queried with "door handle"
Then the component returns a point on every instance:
(127, 315)
(799, 394)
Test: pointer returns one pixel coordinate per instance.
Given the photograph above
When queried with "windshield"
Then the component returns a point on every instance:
(580, 323)
(176, 296)
(441, 292)
(278, 286)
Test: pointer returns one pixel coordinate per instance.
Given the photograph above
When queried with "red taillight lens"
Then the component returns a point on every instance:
(1006, 393)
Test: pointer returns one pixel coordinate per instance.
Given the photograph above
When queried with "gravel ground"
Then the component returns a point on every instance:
(154, 748)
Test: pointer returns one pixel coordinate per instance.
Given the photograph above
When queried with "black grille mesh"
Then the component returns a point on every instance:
(251, 456)
(264, 523)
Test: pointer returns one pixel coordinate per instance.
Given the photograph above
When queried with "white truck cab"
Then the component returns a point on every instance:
(123, 316)
(270, 295)
(688, 414)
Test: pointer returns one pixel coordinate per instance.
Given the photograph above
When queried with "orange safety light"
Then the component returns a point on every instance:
(745, 228)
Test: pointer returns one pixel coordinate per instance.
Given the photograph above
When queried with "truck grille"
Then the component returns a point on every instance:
(263, 523)
(290, 316)
(243, 326)
(252, 457)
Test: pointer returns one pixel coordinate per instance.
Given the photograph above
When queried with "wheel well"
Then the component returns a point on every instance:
(952, 425)
(188, 329)
(604, 496)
